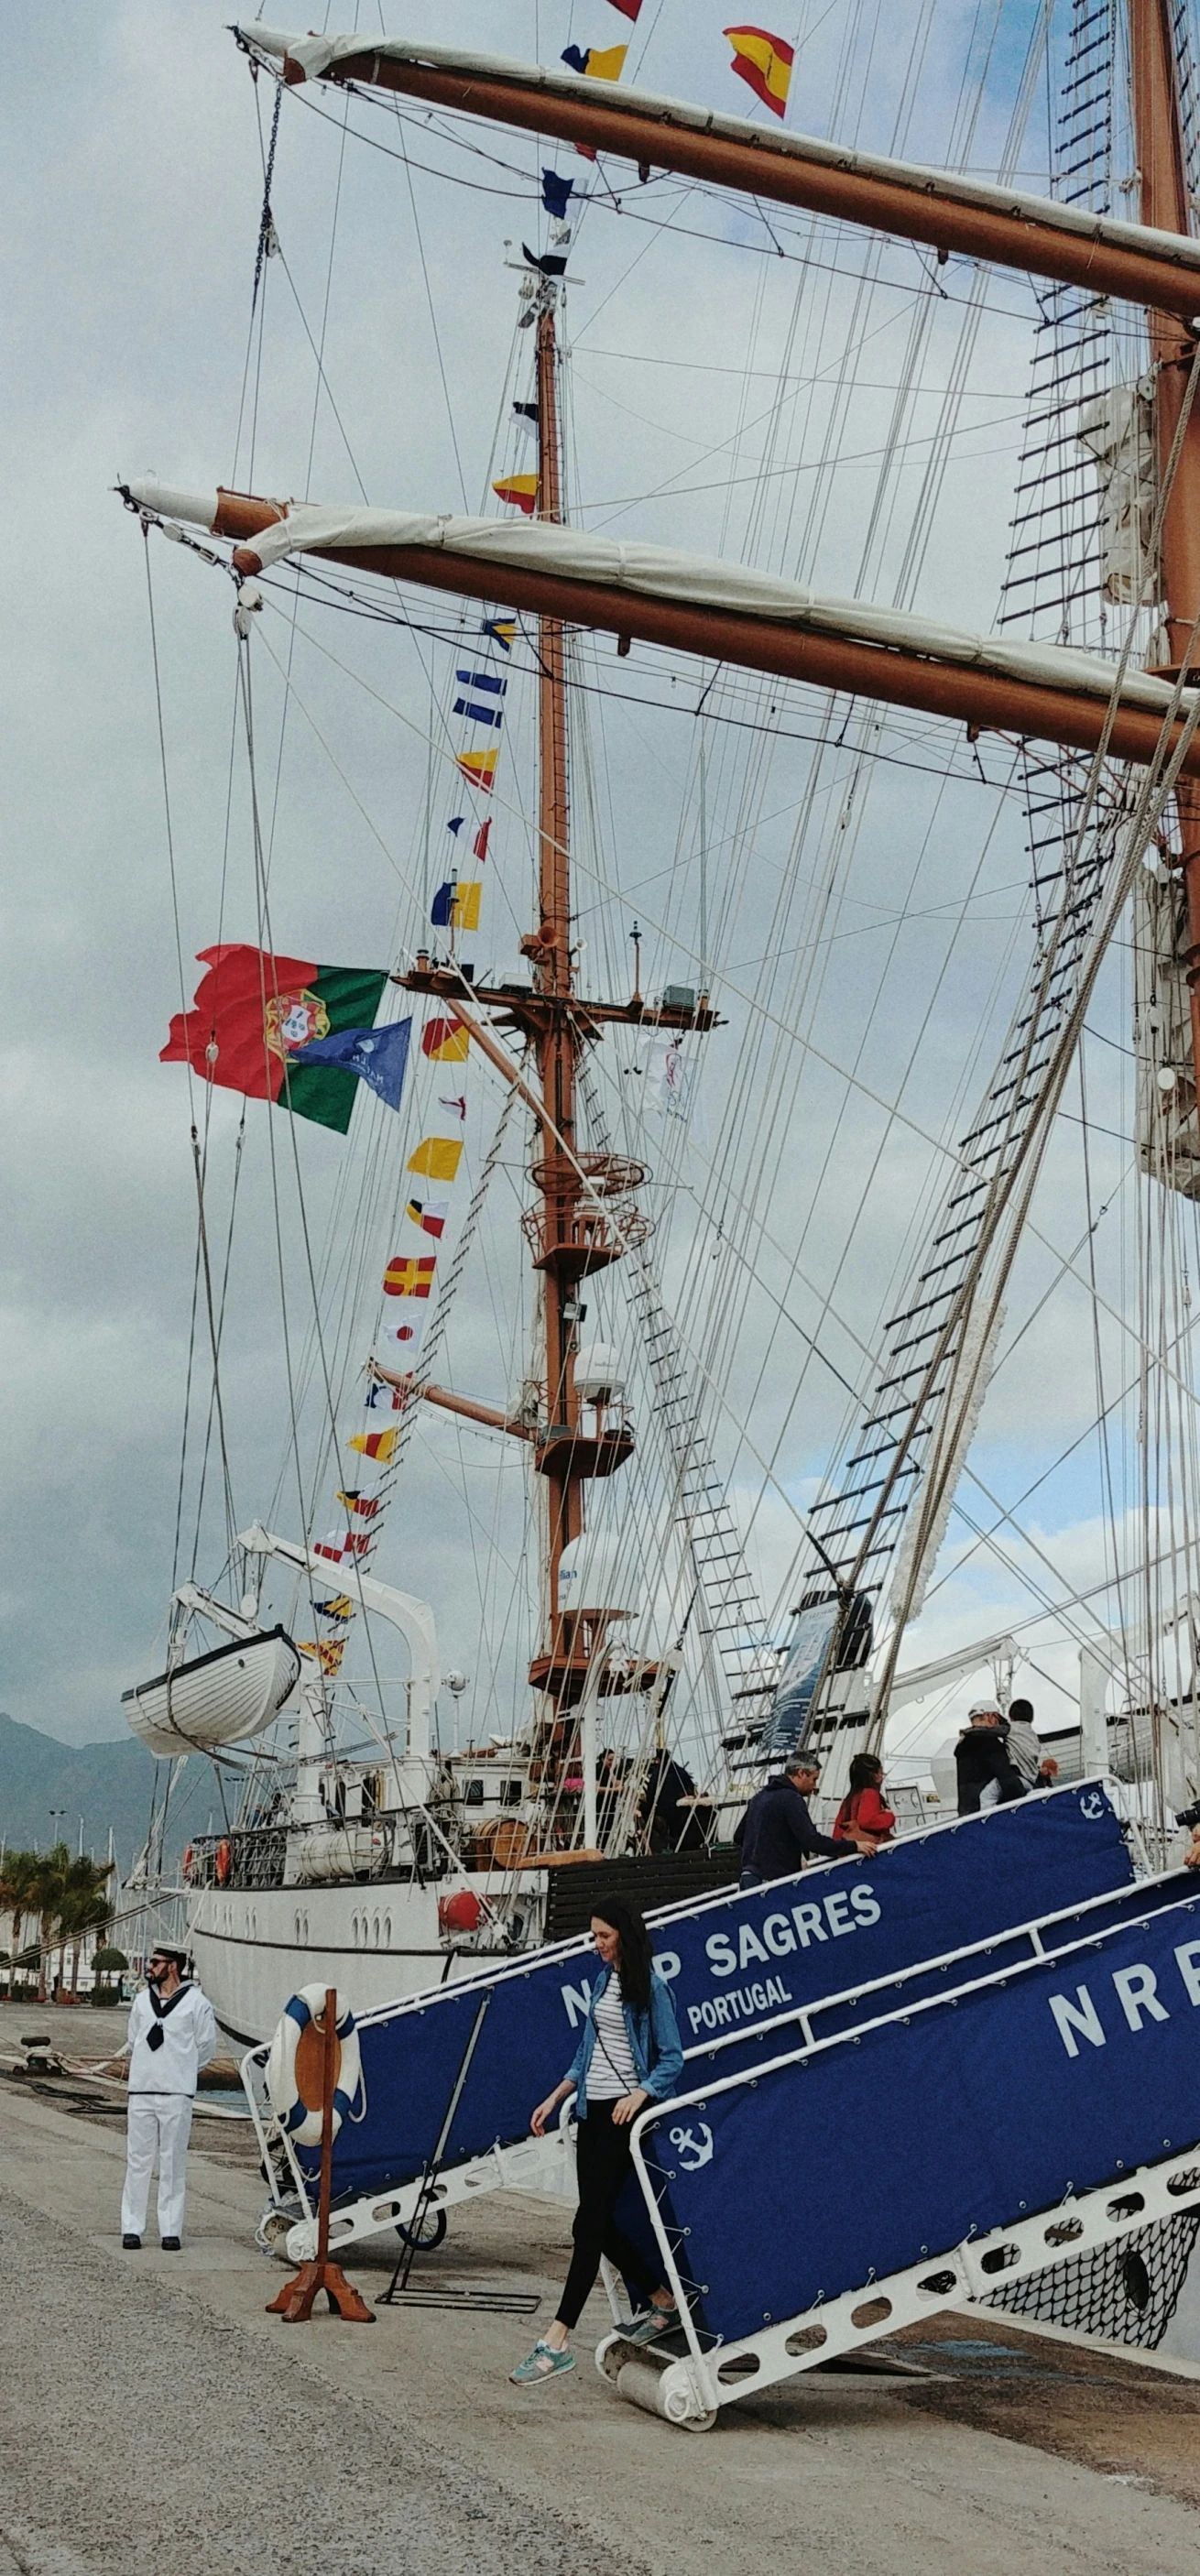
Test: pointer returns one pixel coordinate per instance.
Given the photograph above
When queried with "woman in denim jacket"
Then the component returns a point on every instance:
(629, 2054)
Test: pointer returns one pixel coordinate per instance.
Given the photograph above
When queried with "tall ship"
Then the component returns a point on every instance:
(770, 1117)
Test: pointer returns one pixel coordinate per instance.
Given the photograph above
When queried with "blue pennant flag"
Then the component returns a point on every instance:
(576, 57)
(494, 680)
(459, 819)
(441, 910)
(380, 1056)
(555, 194)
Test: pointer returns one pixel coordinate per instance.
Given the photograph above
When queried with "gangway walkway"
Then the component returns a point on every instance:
(736, 1962)
(968, 2139)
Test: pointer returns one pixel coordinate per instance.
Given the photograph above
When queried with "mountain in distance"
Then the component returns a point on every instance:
(46, 1786)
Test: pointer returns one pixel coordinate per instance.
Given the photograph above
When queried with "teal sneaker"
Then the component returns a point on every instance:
(542, 2363)
(652, 2323)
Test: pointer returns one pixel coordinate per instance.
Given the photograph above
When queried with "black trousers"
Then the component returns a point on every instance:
(602, 2160)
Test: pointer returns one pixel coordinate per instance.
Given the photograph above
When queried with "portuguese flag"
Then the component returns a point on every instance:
(253, 1017)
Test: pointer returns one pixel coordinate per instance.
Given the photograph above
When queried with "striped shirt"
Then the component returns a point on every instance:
(612, 2071)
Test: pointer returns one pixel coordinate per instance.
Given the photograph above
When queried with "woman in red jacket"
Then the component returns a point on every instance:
(862, 1809)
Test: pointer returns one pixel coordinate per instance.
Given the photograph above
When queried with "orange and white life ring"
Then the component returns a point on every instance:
(224, 1863)
(187, 1862)
(295, 2068)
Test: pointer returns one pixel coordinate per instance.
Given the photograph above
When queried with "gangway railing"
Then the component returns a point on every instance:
(963, 2142)
(738, 1963)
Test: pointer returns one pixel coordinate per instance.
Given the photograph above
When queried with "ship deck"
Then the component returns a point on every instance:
(161, 2422)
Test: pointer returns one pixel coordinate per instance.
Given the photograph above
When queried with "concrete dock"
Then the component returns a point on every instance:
(160, 2423)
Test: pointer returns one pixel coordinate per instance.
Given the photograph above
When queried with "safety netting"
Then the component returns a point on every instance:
(1126, 2292)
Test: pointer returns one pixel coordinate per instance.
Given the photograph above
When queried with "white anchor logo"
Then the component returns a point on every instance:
(1091, 1805)
(693, 2151)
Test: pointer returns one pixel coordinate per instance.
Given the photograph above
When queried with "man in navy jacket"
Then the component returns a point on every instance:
(777, 1834)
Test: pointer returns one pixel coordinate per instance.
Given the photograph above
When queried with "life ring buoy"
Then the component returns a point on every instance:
(294, 2068)
(224, 1863)
(187, 1862)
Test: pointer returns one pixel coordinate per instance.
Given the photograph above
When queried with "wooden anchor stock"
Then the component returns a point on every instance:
(298, 2297)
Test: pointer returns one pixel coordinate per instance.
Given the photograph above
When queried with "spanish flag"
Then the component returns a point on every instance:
(446, 1041)
(519, 490)
(373, 1444)
(438, 1157)
(765, 62)
(409, 1279)
(479, 767)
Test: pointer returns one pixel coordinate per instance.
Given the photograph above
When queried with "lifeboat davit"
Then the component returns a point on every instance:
(215, 1699)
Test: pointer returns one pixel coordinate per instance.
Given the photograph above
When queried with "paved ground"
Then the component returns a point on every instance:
(161, 2424)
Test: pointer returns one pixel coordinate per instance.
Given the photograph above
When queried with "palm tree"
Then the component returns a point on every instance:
(84, 1906)
(18, 1877)
(46, 1894)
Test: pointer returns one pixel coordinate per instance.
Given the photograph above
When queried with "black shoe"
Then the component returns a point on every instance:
(131, 2244)
(172, 2245)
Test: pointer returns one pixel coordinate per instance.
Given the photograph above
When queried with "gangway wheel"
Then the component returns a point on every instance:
(657, 2381)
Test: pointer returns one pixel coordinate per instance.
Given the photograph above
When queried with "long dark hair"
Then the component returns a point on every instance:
(866, 1772)
(635, 1956)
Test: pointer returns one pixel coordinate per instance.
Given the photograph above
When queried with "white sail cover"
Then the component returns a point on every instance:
(656, 572)
(216, 1699)
(315, 55)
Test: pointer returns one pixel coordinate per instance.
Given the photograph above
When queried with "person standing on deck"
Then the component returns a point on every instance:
(777, 1834)
(987, 1776)
(172, 2034)
(630, 2053)
(1024, 1742)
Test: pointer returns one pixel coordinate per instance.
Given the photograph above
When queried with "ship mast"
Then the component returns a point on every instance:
(585, 1213)
(550, 951)
(1165, 204)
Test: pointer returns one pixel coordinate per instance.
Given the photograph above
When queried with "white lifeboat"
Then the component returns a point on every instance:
(215, 1699)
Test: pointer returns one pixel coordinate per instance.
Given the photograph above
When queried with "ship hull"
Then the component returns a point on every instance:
(254, 1947)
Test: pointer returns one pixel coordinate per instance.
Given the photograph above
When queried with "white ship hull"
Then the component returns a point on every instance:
(254, 1947)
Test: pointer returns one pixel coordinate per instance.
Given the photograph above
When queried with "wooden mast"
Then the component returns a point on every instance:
(1164, 203)
(549, 950)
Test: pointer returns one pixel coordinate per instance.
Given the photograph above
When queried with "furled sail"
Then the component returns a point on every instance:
(705, 605)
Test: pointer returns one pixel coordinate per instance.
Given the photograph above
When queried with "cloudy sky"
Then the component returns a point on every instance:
(849, 903)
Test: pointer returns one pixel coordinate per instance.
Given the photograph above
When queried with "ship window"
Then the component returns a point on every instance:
(387, 1930)
(473, 1793)
(297, 1927)
(375, 1932)
(510, 1793)
(354, 1930)
(306, 1927)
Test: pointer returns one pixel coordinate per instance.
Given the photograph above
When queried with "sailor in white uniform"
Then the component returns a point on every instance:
(172, 2034)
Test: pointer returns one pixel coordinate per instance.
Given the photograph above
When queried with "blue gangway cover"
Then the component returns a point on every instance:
(799, 2180)
(733, 1959)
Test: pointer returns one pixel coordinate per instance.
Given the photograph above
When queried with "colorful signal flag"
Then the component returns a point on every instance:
(764, 62)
